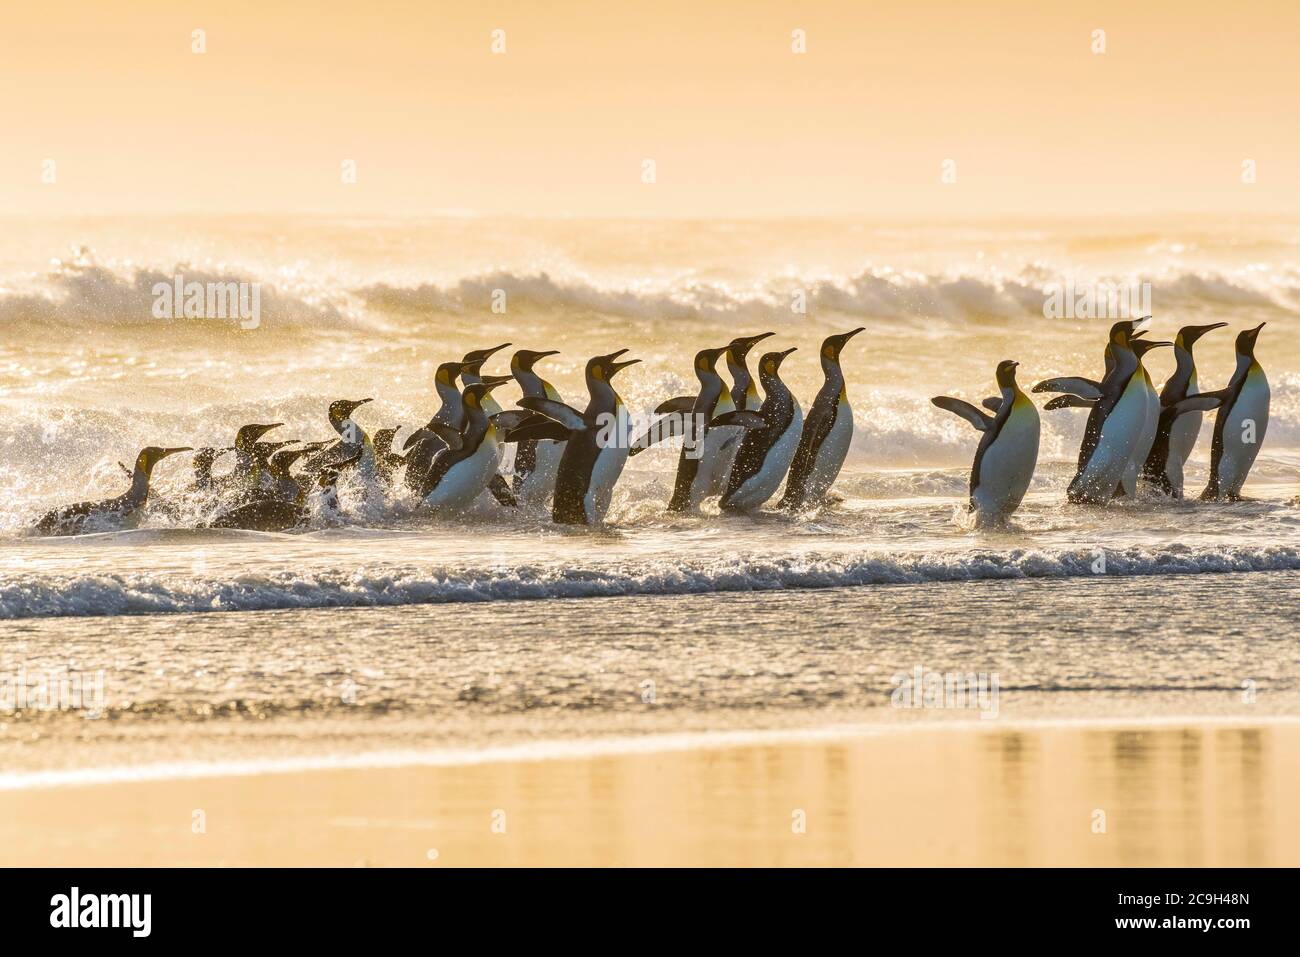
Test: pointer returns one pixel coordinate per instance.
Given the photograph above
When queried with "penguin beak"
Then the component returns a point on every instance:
(616, 366)
(492, 381)
(745, 343)
(167, 452)
(480, 356)
(787, 351)
(853, 332)
(1191, 333)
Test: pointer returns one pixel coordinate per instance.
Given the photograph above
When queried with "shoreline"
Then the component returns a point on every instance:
(1130, 792)
(587, 747)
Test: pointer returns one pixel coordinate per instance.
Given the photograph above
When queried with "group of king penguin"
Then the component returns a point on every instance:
(743, 446)
(1137, 440)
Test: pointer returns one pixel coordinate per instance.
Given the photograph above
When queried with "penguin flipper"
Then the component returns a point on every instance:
(682, 404)
(450, 437)
(544, 429)
(974, 416)
(993, 403)
(666, 427)
(1203, 402)
(566, 415)
(511, 419)
(746, 420)
(1074, 385)
(1069, 402)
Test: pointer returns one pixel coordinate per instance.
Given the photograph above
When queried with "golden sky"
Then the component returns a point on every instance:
(736, 123)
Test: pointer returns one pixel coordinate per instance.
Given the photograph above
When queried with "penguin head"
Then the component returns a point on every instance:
(447, 373)
(473, 361)
(342, 408)
(151, 456)
(1246, 341)
(473, 394)
(249, 434)
(833, 344)
(1122, 332)
(1006, 373)
(706, 359)
(770, 365)
(604, 368)
(739, 347)
(523, 359)
(281, 462)
(1188, 335)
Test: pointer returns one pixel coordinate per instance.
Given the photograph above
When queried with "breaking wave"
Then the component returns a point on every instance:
(137, 594)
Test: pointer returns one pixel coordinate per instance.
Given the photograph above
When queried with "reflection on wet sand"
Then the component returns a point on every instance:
(1200, 794)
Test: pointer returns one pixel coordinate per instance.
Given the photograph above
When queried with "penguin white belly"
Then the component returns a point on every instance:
(830, 457)
(762, 485)
(1247, 420)
(467, 478)
(604, 473)
(1007, 466)
(539, 486)
(1119, 434)
(1183, 434)
(1146, 438)
(721, 463)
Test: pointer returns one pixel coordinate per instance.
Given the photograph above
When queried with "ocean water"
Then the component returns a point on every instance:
(195, 627)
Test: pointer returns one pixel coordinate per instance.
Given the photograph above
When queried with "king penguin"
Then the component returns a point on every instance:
(827, 433)
(1180, 424)
(1118, 416)
(766, 452)
(597, 442)
(1007, 453)
(119, 511)
(697, 460)
(352, 436)
(472, 458)
(742, 397)
(423, 444)
(1240, 424)
(1150, 418)
(536, 461)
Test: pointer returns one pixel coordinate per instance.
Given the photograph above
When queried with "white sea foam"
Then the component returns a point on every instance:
(54, 595)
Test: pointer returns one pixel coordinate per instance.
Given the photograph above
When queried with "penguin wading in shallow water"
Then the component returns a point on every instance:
(536, 460)
(827, 433)
(1180, 422)
(1240, 424)
(472, 458)
(597, 442)
(1115, 424)
(1007, 453)
(766, 452)
(742, 397)
(71, 519)
(695, 467)
(423, 444)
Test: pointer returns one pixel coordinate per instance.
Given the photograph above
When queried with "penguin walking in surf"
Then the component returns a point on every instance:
(536, 461)
(1240, 424)
(766, 452)
(119, 511)
(423, 444)
(1008, 451)
(1150, 419)
(298, 502)
(597, 442)
(1180, 421)
(742, 397)
(472, 458)
(1115, 424)
(695, 467)
(827, 433)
